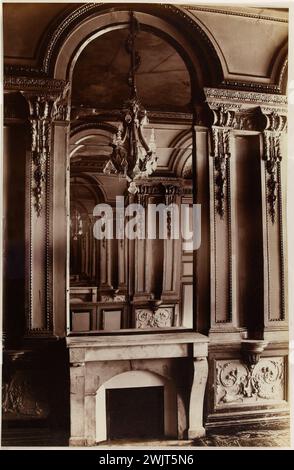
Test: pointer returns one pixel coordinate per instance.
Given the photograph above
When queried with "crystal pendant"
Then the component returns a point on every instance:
(109, 168)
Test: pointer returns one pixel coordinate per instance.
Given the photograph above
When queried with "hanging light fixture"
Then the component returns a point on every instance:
(132, 157)
(76, 224)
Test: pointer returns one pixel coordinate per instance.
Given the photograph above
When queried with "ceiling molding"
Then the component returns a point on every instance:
(235, 13)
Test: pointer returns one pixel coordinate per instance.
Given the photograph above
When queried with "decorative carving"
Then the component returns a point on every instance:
(275, 126)
(43, 109)
(61, 106)
(19, 69)
(252, 350)
(258, 87)
(147, 318)
(223, 115)
(246, 121)
(40, 119)
(238, 383)
(34, 84)
(158, 187)
(244, 97)
(19, 397)
(221, 152)
(170, 193)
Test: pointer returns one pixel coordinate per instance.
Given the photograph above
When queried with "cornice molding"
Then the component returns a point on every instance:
(235, 13)
(92, 114)
(40, 85)
(218, 96)
(252, 86)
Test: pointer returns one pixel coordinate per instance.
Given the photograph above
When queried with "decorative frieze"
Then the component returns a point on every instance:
(237, 382)
(34, 84)
(244, 98)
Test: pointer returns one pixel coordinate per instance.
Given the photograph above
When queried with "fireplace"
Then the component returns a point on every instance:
(135, 413)
(137, 387)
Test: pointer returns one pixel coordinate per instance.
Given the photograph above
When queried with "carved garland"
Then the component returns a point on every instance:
(220, 151)
(43, 109)
(275, 126)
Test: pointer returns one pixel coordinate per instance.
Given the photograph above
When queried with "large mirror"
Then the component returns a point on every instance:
(131, 186)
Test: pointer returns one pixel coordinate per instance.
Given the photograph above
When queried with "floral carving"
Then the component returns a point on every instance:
(221, 153)
(40, 116)
(238, 383)
(43, 108)
(160, 318)
(240, 96)
(275, 126)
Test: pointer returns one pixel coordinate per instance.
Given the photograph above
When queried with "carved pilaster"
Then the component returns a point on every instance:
(44, 108)
(40, 118)
(275, 120)
(223, 315)
(275, 126)
(47, 101)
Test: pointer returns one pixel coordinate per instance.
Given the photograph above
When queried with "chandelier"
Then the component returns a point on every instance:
(76, 224)
(132, 157)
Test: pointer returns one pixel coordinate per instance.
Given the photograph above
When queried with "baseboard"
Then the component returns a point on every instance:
(237, 421)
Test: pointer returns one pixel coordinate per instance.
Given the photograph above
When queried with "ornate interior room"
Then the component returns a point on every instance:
(154, 340)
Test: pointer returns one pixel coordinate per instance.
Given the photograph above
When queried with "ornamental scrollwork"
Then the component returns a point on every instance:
(160, 318)
(275, 126)
(220, 151)
(237, 382)
(40, 118)
(43, 110)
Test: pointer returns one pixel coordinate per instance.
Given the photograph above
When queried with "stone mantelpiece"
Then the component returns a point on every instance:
(98, 360)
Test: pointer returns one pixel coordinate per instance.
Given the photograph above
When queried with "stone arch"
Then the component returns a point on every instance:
(89, 130)
(180, 157)
(279, 68)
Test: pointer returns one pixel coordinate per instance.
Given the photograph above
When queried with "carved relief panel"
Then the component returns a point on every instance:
(239, 384)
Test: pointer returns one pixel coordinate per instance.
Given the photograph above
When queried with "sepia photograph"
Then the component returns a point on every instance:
(145, 241)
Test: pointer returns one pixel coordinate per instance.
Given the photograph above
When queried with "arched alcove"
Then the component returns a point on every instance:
(84, 21)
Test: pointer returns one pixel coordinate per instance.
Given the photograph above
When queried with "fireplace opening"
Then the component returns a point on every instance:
(135, 413)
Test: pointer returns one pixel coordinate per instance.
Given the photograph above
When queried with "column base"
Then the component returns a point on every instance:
(77, 442)
(195, 433)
